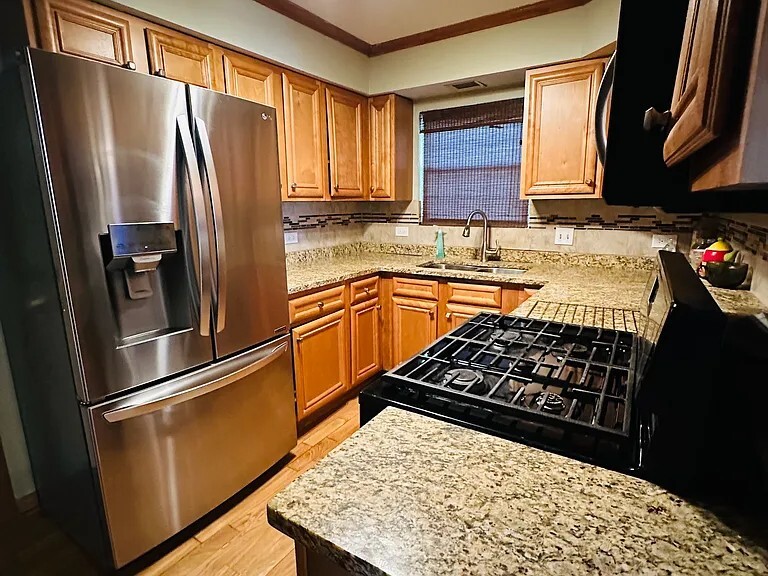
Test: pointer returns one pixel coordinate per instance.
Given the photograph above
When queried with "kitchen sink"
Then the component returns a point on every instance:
(472, 268)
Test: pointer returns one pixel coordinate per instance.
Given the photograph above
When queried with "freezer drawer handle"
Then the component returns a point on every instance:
(141, 409)
(218, 223)
(203, 260)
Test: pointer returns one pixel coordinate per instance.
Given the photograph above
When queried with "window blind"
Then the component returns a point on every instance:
(472, 160)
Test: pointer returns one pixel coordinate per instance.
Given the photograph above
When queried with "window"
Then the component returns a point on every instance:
(471, 160)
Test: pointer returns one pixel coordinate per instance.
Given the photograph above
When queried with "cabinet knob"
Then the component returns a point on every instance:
(160, 72)
(378, 306)
(589, 182)
(320, 304)
(373, 189)
(654, 119)
(293, 186)
(367, 290)
(431, 313)
(130, 65)
(336, 188)
(299, 339)
(448, 315)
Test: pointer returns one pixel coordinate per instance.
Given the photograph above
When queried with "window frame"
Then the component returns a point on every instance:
(445, 104)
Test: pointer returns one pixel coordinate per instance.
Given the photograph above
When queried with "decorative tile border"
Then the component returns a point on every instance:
(750, 237)
(630, 222)
(310, 221)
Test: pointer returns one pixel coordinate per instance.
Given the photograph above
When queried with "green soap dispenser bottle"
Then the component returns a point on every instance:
(439, 244)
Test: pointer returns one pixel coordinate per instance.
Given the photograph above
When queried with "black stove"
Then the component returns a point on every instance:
(547, 383)
(645, 403)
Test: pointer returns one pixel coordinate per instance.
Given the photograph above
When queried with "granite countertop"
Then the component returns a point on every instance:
(594, 289)
(413, 496)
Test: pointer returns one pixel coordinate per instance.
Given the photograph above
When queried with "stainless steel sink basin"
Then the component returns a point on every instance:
(471, 268)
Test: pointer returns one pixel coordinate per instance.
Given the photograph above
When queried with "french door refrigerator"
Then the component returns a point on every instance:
(144, 296)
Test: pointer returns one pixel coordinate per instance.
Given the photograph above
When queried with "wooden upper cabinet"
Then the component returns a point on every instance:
(347, 143)
(703, 83)
(184, 58)
(321, 361)
(84, 29)
(260, 82)
(390, 147)
(559, 151)
(306, 147)
(414, 326)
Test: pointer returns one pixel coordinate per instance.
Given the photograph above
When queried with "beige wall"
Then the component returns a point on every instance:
(565, 35)
(257, 29)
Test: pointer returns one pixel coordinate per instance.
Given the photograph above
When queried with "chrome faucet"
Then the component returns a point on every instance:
(486, 253)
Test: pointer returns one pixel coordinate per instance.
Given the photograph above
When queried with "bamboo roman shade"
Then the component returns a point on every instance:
(472, 160)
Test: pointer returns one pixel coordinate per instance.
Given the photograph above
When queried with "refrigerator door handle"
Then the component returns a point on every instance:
(203, 281)
(201, 131)
(193, 386)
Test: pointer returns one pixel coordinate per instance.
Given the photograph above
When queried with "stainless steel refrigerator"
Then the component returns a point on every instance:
(144, 296)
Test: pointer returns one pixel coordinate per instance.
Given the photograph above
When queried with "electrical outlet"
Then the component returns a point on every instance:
(664, 241)
(401, 231)
(564, 236)
(291, 237)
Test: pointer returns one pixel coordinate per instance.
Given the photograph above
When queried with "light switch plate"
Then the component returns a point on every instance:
(564, 236)
(662, 241)
(401, 230)
(291, 237)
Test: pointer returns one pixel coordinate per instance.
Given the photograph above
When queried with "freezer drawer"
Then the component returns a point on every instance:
(169, 454)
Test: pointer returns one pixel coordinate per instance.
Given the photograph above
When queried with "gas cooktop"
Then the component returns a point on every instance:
(544, 382)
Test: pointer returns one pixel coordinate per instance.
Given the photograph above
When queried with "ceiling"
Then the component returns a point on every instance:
(375, 21)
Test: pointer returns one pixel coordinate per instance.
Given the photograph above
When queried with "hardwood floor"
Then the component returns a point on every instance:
(238, 542)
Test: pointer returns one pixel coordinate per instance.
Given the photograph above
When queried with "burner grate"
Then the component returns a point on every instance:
(570, 374)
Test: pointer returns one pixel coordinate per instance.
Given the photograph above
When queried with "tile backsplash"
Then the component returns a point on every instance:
(600, 229)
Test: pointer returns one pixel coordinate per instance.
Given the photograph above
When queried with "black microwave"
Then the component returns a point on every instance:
(641, 76)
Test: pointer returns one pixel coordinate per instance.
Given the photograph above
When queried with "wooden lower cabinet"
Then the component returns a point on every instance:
(414, 326)
(365, 340)
(456, 314)
(321, 361)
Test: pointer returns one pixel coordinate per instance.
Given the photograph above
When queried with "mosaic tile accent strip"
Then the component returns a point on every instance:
(750, 237)
(630, 222)
(673, 224)
(311, 221)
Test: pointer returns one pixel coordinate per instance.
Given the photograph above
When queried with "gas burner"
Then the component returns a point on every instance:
(574, 348)
(511, 335)
(460, 378)
(550, 402)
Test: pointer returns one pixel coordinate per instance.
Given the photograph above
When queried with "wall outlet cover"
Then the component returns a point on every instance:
(291, 237)
(401, 231)
(564, 236)
(664, 241)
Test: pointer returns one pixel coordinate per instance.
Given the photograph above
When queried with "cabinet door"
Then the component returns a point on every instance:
(456, 314)
(559, 152)
(700, 100)
(347, 142)
(321, 362)
(260, 82)
(84, 29)
(414, 326)
(306, 147)
(380, 111)
(365, 323)
(186, 59)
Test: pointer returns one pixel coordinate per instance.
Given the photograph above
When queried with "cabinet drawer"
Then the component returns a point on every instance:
(415, 288)
(363, 290)
(314, 305)
(474, 294)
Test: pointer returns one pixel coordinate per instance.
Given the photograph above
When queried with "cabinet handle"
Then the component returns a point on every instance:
(589, 182)
(160, 72)
(299, 339)
(431, 313)
(130, 65)
(378, 306)
(367, 290)
(293, 186)
(320, 304)
(373, 189)
(336, 188)
(448, 315)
